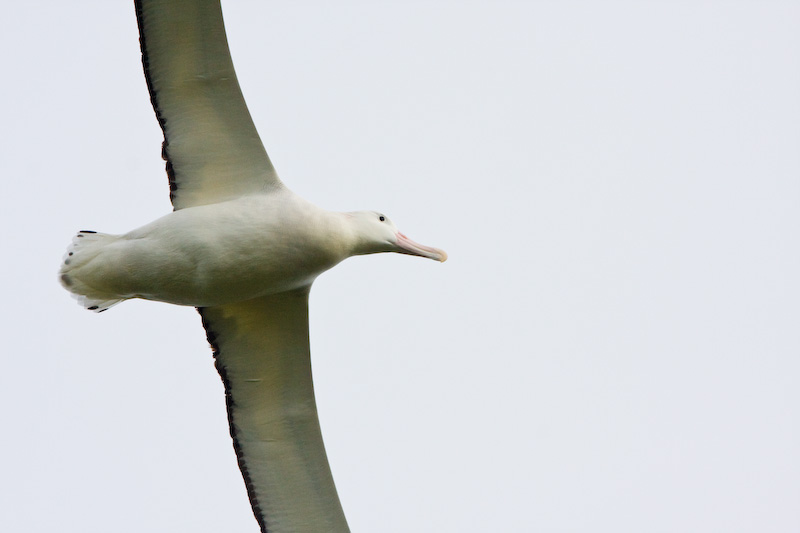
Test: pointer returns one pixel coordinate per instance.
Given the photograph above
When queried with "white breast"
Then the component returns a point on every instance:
(221, 253)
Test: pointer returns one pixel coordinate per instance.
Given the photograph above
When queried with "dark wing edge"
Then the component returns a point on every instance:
(229, 407)
(173, 186)
(211, 147)
(261, 353)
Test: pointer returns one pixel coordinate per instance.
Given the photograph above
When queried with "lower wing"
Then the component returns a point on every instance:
(262, 354)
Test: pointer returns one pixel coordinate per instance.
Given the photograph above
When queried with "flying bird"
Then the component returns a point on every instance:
(244, 250)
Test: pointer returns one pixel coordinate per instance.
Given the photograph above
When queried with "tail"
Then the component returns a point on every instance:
(86, 246)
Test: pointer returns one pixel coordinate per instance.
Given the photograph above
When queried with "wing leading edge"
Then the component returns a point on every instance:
(262, 354)
(211, 145)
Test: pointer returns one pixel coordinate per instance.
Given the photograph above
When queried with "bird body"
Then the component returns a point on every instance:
(213, 254)
(225, 252)
(244, 250)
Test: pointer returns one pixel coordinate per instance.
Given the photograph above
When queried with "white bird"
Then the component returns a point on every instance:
(244, 250)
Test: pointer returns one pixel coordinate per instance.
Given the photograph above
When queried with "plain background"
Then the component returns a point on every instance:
(613, 345)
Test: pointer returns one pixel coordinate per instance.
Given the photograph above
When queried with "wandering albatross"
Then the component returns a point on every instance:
(244, 250)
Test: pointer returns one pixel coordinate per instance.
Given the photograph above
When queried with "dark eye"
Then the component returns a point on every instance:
(382, 218)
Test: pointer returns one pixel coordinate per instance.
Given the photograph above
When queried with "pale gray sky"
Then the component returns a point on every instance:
(612, 347)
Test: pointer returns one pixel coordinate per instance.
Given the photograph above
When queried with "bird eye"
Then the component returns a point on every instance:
(382, 218)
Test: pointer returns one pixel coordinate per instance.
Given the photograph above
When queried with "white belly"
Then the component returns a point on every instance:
(220, 253)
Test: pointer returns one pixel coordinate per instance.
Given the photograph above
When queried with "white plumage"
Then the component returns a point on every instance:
(226, 252)
(244, 250)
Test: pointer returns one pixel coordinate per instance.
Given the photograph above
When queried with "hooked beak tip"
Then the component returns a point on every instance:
(408, 246)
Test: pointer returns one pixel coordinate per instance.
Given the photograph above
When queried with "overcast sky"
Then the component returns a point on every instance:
(613, 346)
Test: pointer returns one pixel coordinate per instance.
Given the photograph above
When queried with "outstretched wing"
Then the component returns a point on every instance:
(211, 146)
(262, 354)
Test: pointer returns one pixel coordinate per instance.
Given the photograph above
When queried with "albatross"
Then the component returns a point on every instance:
(244, 250)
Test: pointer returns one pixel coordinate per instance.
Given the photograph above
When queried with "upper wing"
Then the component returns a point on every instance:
(262, 354)
(211, 146)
